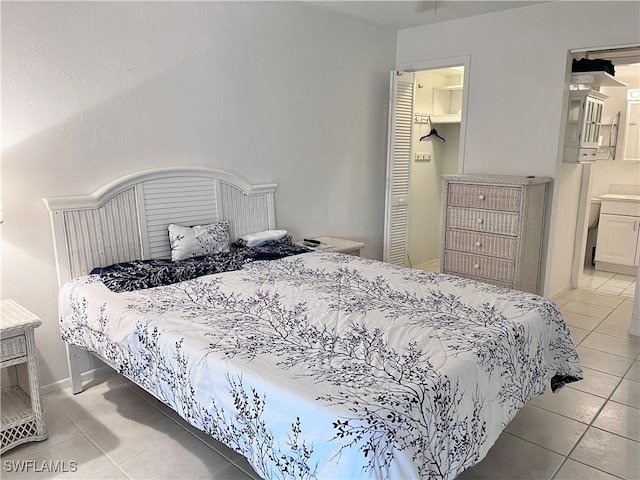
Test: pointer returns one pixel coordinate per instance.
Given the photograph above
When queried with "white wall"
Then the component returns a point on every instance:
(518, 72)
(272, 91)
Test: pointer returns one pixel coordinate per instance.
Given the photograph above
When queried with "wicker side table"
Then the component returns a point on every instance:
(22, 419)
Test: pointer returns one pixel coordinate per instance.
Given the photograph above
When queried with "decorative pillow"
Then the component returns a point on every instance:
(188, 242)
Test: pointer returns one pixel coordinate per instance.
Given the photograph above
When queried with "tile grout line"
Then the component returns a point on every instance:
(103, 452)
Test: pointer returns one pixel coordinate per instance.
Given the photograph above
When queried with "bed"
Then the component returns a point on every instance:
(310, 364)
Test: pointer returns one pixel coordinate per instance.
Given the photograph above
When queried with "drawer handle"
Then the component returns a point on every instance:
(478, 244)
(476, 266)
(480, 221)
(482, 197)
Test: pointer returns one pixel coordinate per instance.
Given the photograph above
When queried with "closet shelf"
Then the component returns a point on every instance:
(445, 118)
(598, 79)
(451, 88)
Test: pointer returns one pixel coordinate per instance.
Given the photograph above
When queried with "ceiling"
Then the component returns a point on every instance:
(399, 14)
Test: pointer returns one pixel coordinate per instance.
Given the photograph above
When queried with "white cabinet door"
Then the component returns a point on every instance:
(617, 239)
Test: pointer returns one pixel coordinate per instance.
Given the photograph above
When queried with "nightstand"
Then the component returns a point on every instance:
(22, 418)
(340, 245)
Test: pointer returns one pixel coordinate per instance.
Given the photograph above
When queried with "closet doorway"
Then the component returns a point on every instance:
(426, 139)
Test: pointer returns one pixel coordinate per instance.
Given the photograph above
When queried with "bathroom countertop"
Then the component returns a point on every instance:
(617, 197)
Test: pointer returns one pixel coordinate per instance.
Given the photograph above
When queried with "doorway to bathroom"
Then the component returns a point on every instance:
(426, 139)
(613, 172)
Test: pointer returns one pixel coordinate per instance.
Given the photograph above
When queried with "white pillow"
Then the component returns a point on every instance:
(187, 242)
(259, 238)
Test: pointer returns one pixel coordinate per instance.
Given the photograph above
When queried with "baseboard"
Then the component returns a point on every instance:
(616, 268)
(554, 296)
(86, 377)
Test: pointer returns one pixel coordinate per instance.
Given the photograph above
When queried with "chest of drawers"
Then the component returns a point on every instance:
(493, 229)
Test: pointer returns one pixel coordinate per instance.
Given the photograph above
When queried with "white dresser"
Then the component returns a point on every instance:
(493, 228)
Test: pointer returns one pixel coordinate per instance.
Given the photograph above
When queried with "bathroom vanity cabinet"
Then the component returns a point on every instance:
(618, 243)
(583, 125)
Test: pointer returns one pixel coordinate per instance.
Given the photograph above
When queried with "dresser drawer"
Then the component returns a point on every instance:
(481, 243)
(13, 347)
(478, 266)
(507, 199)
(502, 223)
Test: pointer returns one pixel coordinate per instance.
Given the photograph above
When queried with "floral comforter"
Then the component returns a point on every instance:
(324, 365)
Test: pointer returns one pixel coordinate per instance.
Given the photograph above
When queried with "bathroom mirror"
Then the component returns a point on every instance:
(632, 128)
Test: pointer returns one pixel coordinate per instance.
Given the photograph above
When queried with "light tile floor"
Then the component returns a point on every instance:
(607, 282)
(588, 430)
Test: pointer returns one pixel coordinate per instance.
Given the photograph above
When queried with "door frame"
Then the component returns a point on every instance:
(465, 61)
(584, 195)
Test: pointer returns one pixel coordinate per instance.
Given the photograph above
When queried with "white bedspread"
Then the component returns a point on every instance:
(325, 365)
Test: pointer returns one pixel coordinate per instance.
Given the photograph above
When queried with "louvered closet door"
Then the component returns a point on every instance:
(398, 163)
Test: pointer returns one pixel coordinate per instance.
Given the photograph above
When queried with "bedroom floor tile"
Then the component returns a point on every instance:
(571, 403)
(579, 320)
(625, 347)
(89, 460)
(599, 299)
(223, 450)
(512, 457)
(616, 324)
(603, 361)
(634, 372)
(591, 310)
(546, 429)
(135, 437)
(572, 470)
(185, 457)
(597, 383)
(619, 419)
(626, 306)
(628, 393)
(578, 334)
(119, 423)
(611, 289)
(608, 452)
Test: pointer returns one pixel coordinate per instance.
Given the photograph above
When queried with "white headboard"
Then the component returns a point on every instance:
(127, 218)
